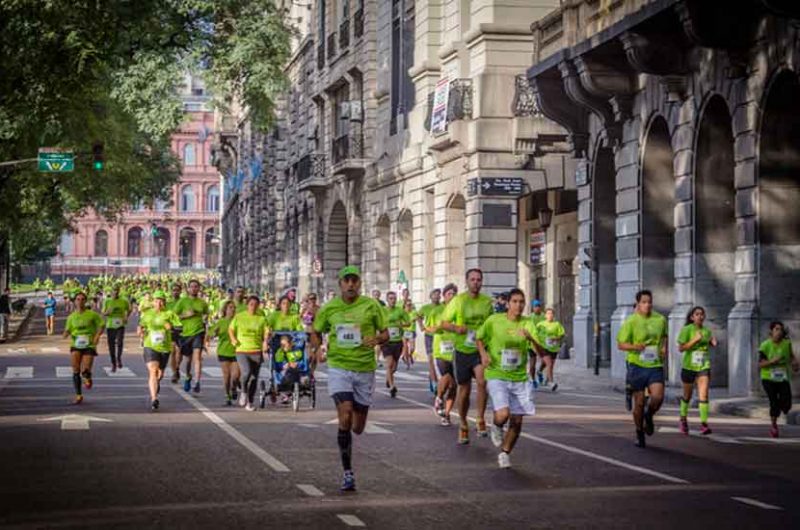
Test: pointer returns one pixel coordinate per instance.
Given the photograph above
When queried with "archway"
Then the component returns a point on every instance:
(405, 231)
(161, 239)
(101, 244)
(135, 242)
(336, 255)
(779, 204)
(715, 227)
(455, 239)
(382, 254)
(212, 248)
(604, 241)
(658, 227)
(187, 245)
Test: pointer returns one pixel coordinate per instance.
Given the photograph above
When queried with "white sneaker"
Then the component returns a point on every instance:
(249, 407)
(242, 399)
(496, 434)
(503, 460)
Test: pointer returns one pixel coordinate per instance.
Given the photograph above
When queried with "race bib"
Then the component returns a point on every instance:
(552, 342)
(698, 358)
(447, 347)
(470, 340)
(649, 355)
(348, 335)
(157, 338)
(82, 341)
(394, 333)
(116, 322)
(408, 335)
(778, 374)
(510, 359)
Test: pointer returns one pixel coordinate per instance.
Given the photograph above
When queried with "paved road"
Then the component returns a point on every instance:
(198, 463)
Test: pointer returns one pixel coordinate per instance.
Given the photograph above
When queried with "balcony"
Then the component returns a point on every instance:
(347, 153)
(533, 134)
(344, 36)
(358, 24)
(459, 102)
(311, 173)
(331, 47)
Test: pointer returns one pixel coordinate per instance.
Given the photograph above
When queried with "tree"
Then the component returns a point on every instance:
(78, 71)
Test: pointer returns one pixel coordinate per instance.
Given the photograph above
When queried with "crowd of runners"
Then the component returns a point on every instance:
(495, 343)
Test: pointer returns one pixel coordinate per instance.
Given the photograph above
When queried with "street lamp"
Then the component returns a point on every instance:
(545, 217)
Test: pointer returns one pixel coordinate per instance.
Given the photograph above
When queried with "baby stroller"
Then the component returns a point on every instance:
(301, 385)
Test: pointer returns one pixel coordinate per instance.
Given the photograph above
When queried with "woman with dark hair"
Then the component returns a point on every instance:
(248, 333)
(775, 358)
(694, 340)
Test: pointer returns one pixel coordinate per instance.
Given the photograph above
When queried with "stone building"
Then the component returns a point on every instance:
(683, 116)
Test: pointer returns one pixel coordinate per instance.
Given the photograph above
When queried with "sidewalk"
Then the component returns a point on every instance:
(17, 322)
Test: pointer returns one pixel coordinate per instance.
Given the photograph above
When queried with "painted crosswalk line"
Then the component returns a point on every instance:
(213, 371)
(121, 372)
(19, 372)
(51, 349)
(63, 371)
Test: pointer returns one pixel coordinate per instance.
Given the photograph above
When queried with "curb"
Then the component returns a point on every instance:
(28, 313)
(750, 408)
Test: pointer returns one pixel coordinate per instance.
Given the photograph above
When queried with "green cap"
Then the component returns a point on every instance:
(160, 294)
(350, 270)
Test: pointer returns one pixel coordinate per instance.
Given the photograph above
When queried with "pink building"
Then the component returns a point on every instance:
(168, 237)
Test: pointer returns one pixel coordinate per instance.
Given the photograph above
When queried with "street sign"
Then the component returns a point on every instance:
(54, 160)
(496, 186)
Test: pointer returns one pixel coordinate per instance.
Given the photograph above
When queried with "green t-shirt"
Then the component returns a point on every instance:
(241, 307)
(507, 349)
(778, 372)
(650, 331)
(396, 320)
(249, 331)
(536, 317)
(697, 359)
(292, 356)
(171, 303)
(117, 309)
(444, 342)
(464, 310)
(156, 335)
(426, 310)
(220, 331)
(198, 309)
(549, 334)
(412, 323)
(347, 325)
(82, 327)
(280, 322)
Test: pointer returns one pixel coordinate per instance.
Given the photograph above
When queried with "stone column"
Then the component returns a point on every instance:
(583, 321)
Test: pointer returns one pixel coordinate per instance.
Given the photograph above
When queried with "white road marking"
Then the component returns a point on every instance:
(19, 372)
(75, 422)
(50, 349)
(350, 520)
(63, 371)
(213, 371)
(372, 427)
(575, 450)
(243, 440)
(770, 440)
(403, 376)
(121, 372)
(758, 504)
(721, 438)
(310, 490)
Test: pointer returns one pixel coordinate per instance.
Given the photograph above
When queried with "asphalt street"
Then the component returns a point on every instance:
(110, 462)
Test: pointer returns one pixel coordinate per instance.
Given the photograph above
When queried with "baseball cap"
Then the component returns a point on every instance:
(160, 294)
(349, 270)
(536, 303)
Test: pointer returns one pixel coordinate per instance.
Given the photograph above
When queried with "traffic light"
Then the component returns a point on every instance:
(98, 158)
(153, 230)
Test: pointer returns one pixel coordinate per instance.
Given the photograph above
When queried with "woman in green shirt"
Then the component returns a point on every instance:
(248, 333)
(155, 327)
(443, 348)
(776, 360)
(694, 340)
(409, 334)
(84, 328)
(550, 334)
(226, 352)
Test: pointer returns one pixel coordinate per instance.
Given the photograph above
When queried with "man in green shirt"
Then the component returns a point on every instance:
(175, 331)
(193, 311)
(443, 351)
(116, 310)
(396, 320)
(354, 324)
(422, 317)
(463, 316)
(643, 336)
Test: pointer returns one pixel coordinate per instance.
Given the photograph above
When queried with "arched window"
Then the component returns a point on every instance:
(134, 242)
(212, 199)
(66, 243)
(161, 205)
(189, 156)
(187, 199)
(101, 244)
(186, 248)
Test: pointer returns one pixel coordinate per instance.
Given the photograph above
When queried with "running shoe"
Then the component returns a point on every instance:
(348, 481)
(87, 381)
(540, 377)
(437, 406)
(503, 460)
(388, 385)
(463, 435)
(483, 432)
(773, 431)
(113, 368)
(78, 400)
(393, 392)
(445, 421)
(250, 407)
(649, 426)
(555, 387)
(242, 399)
(496, 434)
(119, 364)
(228, 401)
(197, 387)
(705, 429)
(683, 425)
(154, 405)
(234, 394)
(187, 384)
(640, 441)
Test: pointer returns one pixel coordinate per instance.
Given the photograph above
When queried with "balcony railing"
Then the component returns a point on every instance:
(344, 35)
(358, 24)
(524, 104)
(459, 102)
(331, 46)
(341, 149)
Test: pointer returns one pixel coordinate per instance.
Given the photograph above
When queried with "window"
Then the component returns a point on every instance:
(161, 205)
(186, 247)
(402, 96)
(135, 242)
(341, 111)
(66, 244)
(212, 199)
(189, 156)
(101, 244)
(187, 199)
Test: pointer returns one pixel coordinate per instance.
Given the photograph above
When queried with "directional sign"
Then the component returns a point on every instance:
(75, 422)
(53, 160)
(496, 186)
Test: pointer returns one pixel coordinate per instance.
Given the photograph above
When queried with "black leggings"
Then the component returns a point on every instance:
(780, 397)
(250, 366)
(115, 338)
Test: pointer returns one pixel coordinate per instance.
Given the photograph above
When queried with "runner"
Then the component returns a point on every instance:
(49, 305)
(284, 319)
(422, 318)
(238, 299)
(116, 310)
(294, 307)
(775, 358)
(463, 316)
(84, 327)
(192, 311)
(550, 334)
(154, 327)
(226, 352)
(409, 334)
(644, 336)
(694, 341)
(175, 357)
(310, 309)
(536, 316)
(503, 342)
(248, 332)
(354, 324)
(443, 348)
(396, 319)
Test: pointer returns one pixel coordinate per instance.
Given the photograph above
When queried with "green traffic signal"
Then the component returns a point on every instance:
(98, 165)
(98, 156)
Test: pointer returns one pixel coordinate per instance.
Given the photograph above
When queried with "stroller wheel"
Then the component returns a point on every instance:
(296, 397)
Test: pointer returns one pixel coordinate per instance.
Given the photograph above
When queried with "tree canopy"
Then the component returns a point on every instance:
(74, 72)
